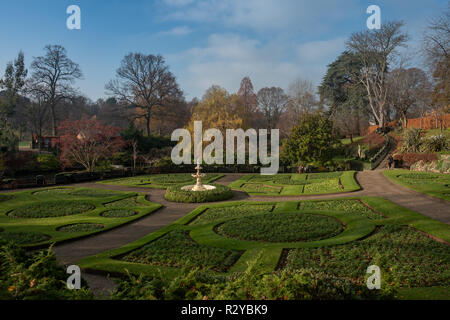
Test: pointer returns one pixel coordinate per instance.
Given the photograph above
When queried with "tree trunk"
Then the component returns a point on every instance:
(147, 118)
(53, 116)
(381, 120)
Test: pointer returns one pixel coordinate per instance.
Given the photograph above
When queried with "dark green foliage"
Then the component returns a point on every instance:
(347, 206)
(35, 276)
(51, 209)
(23, 237)
(404, 255)
(249, 285)
(144, 143)
(221, 192)
(222, 213)
(93, 193)
(48, 162)
(5, 197)
(176, 249)
(118, 213)
(412, 141)
(286, 227)
(436, 143)
(310, 142)
(81, 227)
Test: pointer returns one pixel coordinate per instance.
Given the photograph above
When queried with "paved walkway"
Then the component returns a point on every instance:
(373, 183)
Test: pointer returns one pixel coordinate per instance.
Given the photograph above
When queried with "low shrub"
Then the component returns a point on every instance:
(81, 227)
(436, 143)
(177, 249)
(23, 237)
(48, 162)
(118, 213)
(409, 159)
(286, 227)
(51, 209)
(174, 193)
(412, 141)
(195, 284)
(34, 276)
(214, 214)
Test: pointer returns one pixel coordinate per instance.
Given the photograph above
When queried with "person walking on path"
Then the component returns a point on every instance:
(390, 161)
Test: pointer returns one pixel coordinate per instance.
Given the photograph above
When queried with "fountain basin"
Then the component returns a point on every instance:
(194, 187)
(186, 194)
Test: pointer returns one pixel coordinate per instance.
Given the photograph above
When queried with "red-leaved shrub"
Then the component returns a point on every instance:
(410, 158)
(374, 140)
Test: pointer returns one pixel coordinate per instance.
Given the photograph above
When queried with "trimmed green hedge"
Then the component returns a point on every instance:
(175, 194)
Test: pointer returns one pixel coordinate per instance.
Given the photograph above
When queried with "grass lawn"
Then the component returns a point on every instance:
(24, 144)
(434, 132)
(433, 184)
(35, 218)
(294, 184)
(339, 237)
(348, 141)
(161, 181)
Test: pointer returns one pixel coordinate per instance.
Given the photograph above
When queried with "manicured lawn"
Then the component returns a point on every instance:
(34, 218)
(433, 184)
(297, 184)
(348, 141)
(161, 181)
(338, 237)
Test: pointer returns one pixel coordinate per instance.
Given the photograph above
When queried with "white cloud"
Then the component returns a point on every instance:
(177, 31)
(319, 50)
(227, 58)
(262, 15)
(178, 3)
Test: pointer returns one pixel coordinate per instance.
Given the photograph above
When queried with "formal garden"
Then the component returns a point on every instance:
(337, 238)
(38, 218)
(179, 182)
(431, 183)
(297, 184)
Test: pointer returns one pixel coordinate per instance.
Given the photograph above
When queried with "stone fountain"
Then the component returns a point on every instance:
(199, 186)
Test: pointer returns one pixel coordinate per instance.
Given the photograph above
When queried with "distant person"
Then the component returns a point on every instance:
(390, 160)
(301, 169)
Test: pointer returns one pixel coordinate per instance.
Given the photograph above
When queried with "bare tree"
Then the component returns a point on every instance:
(302, 98)
(144, 82)
(377, 50)
(249, 102)
(272, 103)
(37, 114)
(52, 78)
(436, 49)
(436, 39)
(408, 88)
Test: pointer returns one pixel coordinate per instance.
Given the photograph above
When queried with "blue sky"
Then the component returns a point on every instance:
(204, 42)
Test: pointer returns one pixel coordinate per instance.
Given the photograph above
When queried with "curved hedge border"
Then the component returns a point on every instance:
(175, 194)
(81, 227)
